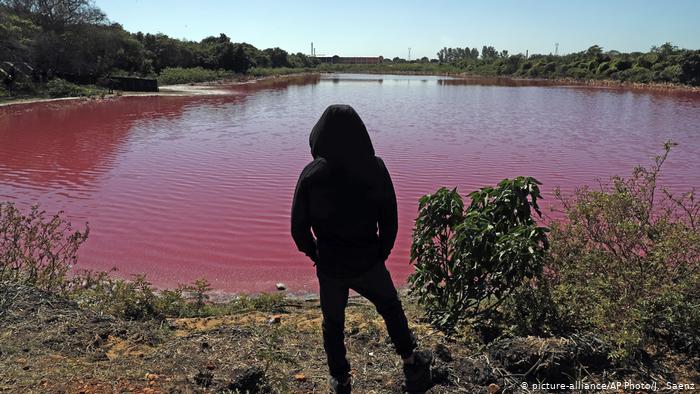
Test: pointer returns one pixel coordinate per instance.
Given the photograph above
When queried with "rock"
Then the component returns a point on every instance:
(275, 319)
(281, 286)
(494, 388)
(300, 377)
(151, 376)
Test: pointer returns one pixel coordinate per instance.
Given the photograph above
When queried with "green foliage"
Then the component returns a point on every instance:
(199, 292)
(172, 76)
(625, 263)
(690, 68)
(531, 310)
(36, 249)
(268, 71)
(663, 64)
(131, 300)
(467, 262)
(264, 302)
(18, 35)
(61, 88)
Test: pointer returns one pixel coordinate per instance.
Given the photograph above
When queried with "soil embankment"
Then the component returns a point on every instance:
(48, 344)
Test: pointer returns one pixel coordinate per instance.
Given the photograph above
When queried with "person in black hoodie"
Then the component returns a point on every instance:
(345, 195)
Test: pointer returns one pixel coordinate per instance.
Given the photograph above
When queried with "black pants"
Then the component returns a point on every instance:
(377, 287)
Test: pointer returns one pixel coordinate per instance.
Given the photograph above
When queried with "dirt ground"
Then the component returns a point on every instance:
(51, 345)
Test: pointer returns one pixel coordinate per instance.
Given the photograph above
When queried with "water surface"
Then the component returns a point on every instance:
(187, 187)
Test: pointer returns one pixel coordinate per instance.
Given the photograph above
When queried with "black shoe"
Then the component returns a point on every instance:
(338, 387)
(419, 378)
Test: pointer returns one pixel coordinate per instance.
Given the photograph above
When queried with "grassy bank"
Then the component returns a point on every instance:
(56, 88)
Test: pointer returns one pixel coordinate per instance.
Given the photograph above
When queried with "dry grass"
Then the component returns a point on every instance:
(51, 345)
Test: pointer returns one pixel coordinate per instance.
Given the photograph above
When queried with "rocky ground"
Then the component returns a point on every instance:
(51, 345)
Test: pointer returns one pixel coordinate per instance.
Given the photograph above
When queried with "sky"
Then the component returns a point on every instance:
(388, 28)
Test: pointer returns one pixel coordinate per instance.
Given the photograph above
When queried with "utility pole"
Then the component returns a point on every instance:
(409, 54)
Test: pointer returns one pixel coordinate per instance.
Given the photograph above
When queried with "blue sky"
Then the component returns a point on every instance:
(389, 28)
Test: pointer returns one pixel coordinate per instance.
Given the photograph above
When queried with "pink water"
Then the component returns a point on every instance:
(186, 187)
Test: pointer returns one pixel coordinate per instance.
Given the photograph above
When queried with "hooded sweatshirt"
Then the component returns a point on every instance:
(345, 195)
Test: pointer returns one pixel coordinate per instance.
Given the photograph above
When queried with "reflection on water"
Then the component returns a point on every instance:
(189, 187)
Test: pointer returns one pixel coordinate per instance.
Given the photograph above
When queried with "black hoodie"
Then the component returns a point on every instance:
(346, 196)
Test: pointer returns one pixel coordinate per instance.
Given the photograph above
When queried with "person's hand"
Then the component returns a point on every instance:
(314, 255)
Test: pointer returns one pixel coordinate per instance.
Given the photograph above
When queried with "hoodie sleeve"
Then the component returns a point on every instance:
(388, 213)
(301, 221)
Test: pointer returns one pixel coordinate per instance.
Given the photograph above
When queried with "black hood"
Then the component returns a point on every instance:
(340, 136)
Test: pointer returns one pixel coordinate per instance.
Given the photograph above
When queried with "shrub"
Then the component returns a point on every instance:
(636, 74)
(467, 262)
(61, 88)
(131, 300)
(690, 68)
(625, 263)
(136, 299)
(671, 73)
(36, 249)
(621, 64)
(178, 75)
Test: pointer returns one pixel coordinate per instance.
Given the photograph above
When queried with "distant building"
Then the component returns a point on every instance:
(350, 59)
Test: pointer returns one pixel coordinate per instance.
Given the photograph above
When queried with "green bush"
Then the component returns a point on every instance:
(621, 64)
(178, 75)
(625, 263)
(690, 68)
(671, 73)
(131, 300)
(467, 262)
(36, 249)
(636, 74)
(61, 88)
(269, 71)
(531, 310)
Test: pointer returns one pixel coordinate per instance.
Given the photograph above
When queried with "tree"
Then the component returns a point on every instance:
(278, 57)
(665, 50)
(57, 14)
(241, 61)
(488, 53)
(690, 68)
(17, 37)
(475, 54)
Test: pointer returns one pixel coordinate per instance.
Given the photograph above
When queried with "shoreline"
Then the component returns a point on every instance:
(213, 88)
(209, 88)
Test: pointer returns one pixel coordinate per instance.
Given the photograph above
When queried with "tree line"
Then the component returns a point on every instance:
(74, 40)
(665, 63)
